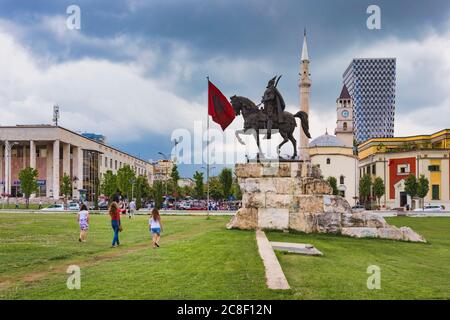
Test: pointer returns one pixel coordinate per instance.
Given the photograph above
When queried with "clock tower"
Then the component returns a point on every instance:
(344, 123)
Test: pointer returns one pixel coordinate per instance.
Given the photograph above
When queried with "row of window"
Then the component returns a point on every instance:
(109, 163)
(369, 169)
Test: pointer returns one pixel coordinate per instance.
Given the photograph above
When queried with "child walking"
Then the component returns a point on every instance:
(114, 212)
(83, 221)
(155, 227)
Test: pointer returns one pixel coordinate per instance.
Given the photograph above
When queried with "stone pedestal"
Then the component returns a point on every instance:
(293, 196)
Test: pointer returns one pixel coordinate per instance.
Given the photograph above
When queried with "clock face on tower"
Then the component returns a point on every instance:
(345, 113)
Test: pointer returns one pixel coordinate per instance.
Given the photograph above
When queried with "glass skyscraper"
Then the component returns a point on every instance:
(371, 84)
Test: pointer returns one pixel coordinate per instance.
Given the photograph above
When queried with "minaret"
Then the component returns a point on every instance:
(305, 87)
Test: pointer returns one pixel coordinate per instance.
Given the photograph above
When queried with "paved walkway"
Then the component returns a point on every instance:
(299, 248)
(275, 278)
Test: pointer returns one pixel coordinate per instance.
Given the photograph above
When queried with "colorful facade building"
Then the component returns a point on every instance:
(394, 159)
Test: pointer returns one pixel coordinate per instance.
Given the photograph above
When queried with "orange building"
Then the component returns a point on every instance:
(393, 159)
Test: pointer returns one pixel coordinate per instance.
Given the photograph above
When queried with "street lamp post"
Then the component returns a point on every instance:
(208, 168)
(166, 171)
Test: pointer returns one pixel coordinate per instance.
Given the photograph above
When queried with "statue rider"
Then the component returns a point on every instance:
(273, 104)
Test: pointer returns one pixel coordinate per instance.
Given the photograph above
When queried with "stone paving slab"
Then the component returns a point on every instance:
(275, 278)
(299, 248)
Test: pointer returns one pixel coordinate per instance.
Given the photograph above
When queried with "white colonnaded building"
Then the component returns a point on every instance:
(55, 151)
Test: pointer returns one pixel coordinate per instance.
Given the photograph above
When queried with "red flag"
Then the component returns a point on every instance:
(219, 108)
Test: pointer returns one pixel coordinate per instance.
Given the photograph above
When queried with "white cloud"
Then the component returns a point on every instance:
(423, 78)
(94, 95)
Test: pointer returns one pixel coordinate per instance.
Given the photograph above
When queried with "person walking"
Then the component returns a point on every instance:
(132, 209)
(155, 227)
(83, 221)
(114, 212)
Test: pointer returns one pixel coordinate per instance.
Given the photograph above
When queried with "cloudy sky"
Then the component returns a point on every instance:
(136, 69)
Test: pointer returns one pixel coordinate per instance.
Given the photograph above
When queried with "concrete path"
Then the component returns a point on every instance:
(299, 248)
(275, 278)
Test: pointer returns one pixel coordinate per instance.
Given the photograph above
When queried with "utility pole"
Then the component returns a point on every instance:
(166, 168)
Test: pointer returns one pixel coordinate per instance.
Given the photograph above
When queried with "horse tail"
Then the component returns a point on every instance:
(305, 122)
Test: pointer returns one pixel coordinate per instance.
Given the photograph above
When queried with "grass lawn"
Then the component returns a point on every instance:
(12, 205)
(200, 259)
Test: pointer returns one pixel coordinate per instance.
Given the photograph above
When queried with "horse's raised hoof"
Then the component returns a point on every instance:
(241, 141)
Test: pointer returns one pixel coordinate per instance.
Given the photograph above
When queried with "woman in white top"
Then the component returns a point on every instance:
(155, 227)
(83, 221)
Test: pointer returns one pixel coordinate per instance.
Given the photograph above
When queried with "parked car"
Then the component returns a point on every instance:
(431, 208)
(73, 206)
(358, 208)
(54, 207)
(103, 205)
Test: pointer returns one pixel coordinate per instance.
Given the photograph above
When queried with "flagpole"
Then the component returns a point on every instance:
(207, 157)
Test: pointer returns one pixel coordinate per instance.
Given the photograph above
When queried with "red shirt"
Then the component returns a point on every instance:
(116, 216)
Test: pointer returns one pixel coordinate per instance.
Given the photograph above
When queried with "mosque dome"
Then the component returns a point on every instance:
(326, 140)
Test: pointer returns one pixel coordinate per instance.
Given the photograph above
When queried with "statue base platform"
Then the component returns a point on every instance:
(293, 196)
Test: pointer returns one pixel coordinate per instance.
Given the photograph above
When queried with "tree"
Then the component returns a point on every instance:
(226, 181)
(125, 180)
(66, 187)
(215, 188)
(236, 190)
(108, 186)
(199, 192)
(175, 176)
(365, 184)
(333, 183)
(186, 191)
(158, 191)
(411, 187)
(28, 183)
(378, 189)
(423, 186)
(142, 190)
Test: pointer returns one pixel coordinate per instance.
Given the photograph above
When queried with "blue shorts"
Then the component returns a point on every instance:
(155, 230)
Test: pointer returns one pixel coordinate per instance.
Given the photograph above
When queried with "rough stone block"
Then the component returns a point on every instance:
(308, 203)
(365, 219)
(284, 170)
(283, 185)
(328, 222)
(360, 232)
(248, 170)
(245, 219)
(273, 218)
(335, 204)
(270, 169)
(302, 221)
(409, 235)
(253, 200)
(392, 233)
(275, 200)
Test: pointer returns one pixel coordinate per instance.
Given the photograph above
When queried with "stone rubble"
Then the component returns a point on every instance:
(286, 196)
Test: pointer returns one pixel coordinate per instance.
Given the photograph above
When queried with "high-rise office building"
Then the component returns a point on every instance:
(371, 84)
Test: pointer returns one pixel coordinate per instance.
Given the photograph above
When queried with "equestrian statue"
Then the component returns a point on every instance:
(271, 117)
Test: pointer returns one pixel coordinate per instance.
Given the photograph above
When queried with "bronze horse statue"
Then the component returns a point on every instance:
(256, 120)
